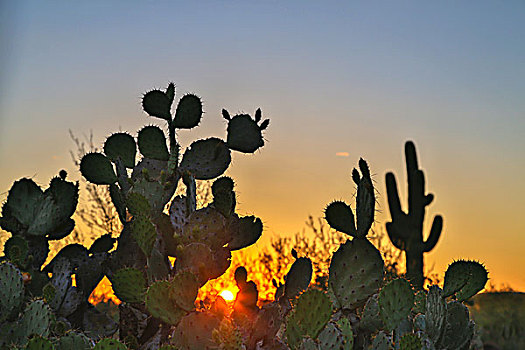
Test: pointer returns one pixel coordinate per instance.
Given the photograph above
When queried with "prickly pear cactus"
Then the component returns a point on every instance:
(299, 276)
(36, 319)
(336, 335)
(356, 272)
(34, 217)
(195, 331)
(74, 341)
(356, 269)
(245, 133)
(11, 290)
(200, 239)
(436, 307)
(310, 315)
(465, 279)
(396, 300)
(39, 343)
(228, 336)
(129, 285)
(339, 215)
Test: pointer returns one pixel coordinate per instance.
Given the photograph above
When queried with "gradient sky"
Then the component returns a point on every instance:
(333, 77)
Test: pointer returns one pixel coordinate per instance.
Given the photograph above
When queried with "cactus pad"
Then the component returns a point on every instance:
(195, 331)
(298, 278)
(152, 143)
(228, 336)
(420, 299)
(65, 194)
(310, 315)
(154, 192)
(161, 305)
(223, 196)
(74, 341)
(243, 231)
(97, 169)
(103, 244)
(436, 308)
(382, 342)
(157, 104)
(138, 204)
(39, 343)
(346, 331)
(67, 298)
(184, 290)
(11, 289)
(395, 302)
(340, 217)
(365, 201)
(371, 317)
(202, 261)
(129, 285)
(356, 272)
(332, 337)
(35, 319)
(207, 225)
(188, 113)
(97, 324)
(16, 250)
(244, 134)
(151, 169)
(121, 146)
(22, 201)
(465, 278)
(458, 329)
(144, 233)
(206, 159)
(178, 214)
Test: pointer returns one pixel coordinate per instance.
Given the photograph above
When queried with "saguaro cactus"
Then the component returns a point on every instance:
(406, 229)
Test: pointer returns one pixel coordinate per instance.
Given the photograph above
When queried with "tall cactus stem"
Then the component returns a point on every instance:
(406, 229)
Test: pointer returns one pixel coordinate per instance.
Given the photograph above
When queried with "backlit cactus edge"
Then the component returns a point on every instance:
(41, 308)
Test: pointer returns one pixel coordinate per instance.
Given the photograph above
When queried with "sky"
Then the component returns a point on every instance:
(338, 80)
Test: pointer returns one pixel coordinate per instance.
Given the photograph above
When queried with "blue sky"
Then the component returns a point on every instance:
(355, 77)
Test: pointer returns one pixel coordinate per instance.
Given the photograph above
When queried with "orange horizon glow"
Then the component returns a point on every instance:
(225, 286)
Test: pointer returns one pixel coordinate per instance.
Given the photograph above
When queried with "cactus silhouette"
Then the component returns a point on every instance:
(406, 229)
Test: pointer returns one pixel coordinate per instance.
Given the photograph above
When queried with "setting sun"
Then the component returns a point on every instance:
(227, 295)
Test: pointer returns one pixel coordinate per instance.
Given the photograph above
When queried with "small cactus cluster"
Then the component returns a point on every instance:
(34, 217)
(366, 313)
(142, 175)
(200, 240)
(33, 324)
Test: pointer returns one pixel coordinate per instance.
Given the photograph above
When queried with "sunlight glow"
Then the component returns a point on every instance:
(227, 295)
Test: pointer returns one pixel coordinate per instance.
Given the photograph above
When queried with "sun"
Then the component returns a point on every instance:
(227, 295)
